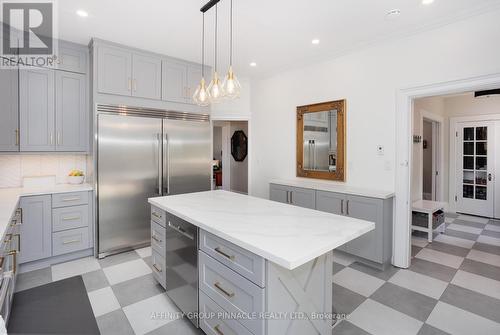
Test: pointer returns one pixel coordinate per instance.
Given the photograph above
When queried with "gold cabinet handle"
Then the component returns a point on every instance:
(71, 218)
(218, 249)
(134, 83)
(156, 238)
(71, 241)
(13, 223)
(157, 268)
(51, 137)
(70, 199)
(13, 253)
(8, 238)
(17, 136)
(18, 241)
(58, 139)
(220, 288)
(2, 259)
(19, 213)
(217, 330)
(156, 215)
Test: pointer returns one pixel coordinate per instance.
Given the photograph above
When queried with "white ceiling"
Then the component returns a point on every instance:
(276, 34)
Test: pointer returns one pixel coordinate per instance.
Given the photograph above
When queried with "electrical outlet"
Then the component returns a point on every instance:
(380, 150)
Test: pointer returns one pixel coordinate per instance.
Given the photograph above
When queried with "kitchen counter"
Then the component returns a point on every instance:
(9, 198)
(332, 187)
(286, 235)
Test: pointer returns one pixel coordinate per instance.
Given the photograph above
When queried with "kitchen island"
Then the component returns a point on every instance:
(263, 267)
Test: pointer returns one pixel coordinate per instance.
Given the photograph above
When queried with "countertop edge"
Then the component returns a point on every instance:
(277, 260)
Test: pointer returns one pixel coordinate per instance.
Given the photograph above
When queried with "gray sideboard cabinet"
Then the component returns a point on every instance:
(373, 248)
(9, 113)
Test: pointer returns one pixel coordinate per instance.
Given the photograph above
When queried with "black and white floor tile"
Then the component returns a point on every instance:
(452, 287)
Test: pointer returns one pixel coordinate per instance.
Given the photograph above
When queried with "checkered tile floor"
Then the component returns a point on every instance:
(452, 287)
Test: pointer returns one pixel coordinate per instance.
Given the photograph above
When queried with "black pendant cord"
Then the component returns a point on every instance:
(203, 47)
(216, 38)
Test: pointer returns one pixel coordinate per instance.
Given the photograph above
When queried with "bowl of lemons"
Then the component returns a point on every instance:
(76, 177)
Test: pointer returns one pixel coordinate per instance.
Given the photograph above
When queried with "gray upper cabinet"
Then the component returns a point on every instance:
(36, 230)
(72, 57)
(36, 109)
(146, 76)
(9, 111)
(71, 112)
(174, 78)
(114, 70)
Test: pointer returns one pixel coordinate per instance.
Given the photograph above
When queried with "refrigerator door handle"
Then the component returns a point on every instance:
(160, 180)
(166, 163)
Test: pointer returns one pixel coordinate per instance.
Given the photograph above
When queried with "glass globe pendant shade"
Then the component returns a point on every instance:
(200, 96)
(231, 85)
(215, 89)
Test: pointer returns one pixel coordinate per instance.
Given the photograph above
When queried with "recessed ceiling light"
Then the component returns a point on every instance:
(82, 13)
(427, 2)
(253, 64)
(315, 41)
(393, 13)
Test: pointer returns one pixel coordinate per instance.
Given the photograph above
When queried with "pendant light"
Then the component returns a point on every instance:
(215, 90)
(231, 85)
(201, 96)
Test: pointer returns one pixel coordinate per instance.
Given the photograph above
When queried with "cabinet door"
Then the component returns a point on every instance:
(146, 77)
(370, 245)
(72, 57)
(174, 76)
(303, 197)
(9, 114)
(36, 109)
(278, 193)
(72, 117)
(330, 202)
(36, 229)
(114, 70)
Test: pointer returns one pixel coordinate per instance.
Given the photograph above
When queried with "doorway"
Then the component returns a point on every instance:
(230, 156)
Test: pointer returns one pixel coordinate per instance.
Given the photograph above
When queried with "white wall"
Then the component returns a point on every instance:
(369, 79)
(234, 109)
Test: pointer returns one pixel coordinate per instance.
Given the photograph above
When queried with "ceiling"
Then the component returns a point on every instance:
(276, 34)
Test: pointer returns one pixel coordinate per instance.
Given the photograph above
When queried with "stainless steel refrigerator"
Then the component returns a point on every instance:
(141, 154)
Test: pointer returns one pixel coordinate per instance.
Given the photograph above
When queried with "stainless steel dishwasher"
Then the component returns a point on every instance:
(181, 262)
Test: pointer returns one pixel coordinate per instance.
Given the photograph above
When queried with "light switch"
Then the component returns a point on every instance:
(380, 150)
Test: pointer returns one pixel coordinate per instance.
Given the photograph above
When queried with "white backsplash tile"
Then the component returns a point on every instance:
(13, 168)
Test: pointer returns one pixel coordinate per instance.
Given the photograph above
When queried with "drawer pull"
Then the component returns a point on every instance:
(1, 262)
(217, 330)
(13, 223)
(8, 238)
(19, 213)
(156, 215)
(156, 238)
(71, 241)
(18, 241)
(71, 199)
(228, 294)
(231, 257)
(181, 231)
(157, 268)
(71, 218)
(13, 253)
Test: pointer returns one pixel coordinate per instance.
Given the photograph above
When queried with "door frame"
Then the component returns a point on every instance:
(404, 105)
(454, 122)
(437, 153)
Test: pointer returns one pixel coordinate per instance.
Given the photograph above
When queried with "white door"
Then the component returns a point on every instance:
(475, 168)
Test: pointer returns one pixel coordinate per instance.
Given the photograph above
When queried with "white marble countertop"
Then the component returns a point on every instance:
(333, 187)
(287, 235)
(9, 198)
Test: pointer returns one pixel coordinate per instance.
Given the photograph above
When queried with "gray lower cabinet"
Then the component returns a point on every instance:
(114, 70)
(297, 196)
(52, 227)
(9, 113)
(376, 246)
(71, 112)
(36, 109)
(36, 230)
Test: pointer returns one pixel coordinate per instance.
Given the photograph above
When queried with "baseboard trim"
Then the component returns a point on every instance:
(46, 262)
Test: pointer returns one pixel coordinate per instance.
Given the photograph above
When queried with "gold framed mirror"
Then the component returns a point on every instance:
(321, 137)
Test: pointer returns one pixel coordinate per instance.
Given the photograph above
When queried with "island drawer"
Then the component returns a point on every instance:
(158, 238)
(240, 260)
(158, 267)
(70, 217)
(70, 199)
(158, 216)
(220, 325)
(231, 291)
(67, 241)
